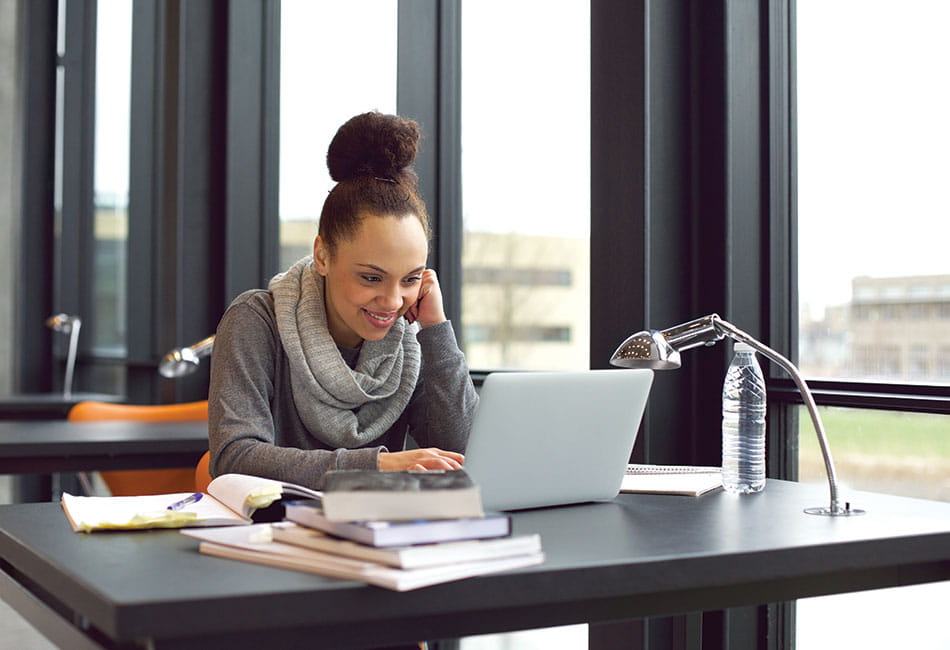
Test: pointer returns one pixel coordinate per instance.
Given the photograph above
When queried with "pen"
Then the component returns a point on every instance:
(178, 505)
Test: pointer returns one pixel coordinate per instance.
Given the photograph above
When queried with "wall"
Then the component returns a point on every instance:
(9, 187)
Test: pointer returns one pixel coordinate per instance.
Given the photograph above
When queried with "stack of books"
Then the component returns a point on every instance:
(398, 530)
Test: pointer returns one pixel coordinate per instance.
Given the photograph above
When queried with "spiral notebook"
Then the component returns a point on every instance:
(688, 480)
(554, 438)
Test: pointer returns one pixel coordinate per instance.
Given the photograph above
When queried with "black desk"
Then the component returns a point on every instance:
(637, 556)
(50, 446)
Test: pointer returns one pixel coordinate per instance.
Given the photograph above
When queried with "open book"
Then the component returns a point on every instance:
(231, 500)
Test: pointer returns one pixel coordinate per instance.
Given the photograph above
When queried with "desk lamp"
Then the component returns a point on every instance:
(184, 361)
(660, 350)
(67, 324)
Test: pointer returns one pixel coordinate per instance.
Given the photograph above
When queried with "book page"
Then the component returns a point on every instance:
(244, 493)
(86, 514)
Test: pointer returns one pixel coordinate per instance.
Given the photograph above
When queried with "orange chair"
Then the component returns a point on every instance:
(144, 481)
(203, 473)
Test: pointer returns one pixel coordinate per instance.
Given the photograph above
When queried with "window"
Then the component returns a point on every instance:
(872, 224)
(111, 183)
(526, 184)
(336, 60)
(873, 220)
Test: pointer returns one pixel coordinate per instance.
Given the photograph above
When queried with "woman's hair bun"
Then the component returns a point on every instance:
(374, 144)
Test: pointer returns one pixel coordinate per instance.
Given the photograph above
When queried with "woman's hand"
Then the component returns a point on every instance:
(420, 459)
(428, 309)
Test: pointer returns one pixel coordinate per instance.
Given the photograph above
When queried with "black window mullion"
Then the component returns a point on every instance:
(34, 284)
(75, 247)
(429, 91)
(251, 137)
(146, 180)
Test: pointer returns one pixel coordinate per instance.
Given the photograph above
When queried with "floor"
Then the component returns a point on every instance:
(16, 633)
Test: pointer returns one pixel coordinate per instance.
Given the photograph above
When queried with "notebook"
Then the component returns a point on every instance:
(554, 438)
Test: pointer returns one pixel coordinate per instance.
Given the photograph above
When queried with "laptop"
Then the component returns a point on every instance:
(554, 438)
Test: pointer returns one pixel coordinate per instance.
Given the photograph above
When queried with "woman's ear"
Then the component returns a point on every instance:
(321, 256)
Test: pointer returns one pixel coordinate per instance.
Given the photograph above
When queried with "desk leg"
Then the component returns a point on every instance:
(32, 488)
(654, 633)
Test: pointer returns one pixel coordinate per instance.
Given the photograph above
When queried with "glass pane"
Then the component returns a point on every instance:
(880, 451)
(904, 617)
(526, 184)
(111, 182)
(337, 59)
(874, 218)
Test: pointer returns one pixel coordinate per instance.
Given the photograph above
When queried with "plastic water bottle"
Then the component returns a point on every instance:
(743, 424)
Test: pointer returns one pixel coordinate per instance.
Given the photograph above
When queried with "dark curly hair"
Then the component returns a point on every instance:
(370, 158)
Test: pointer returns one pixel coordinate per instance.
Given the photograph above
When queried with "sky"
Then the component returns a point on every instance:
(873, 142)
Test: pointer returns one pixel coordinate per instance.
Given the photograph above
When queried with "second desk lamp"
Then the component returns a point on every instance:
(660, 350)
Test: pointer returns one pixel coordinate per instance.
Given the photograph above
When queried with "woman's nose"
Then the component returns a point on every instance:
(391, 299)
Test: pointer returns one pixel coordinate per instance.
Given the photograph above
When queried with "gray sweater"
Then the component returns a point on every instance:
(253, 425)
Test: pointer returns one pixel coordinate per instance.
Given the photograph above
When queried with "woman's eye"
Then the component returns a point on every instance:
(370, 278)
(413, 279)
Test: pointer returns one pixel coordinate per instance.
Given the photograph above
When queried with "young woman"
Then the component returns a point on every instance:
(349, 350)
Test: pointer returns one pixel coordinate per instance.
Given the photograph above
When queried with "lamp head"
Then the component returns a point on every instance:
(62, 323)
(660, 350)
(646, 349)
(180, 362)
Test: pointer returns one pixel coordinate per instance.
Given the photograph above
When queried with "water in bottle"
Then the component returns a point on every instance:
(743, 424)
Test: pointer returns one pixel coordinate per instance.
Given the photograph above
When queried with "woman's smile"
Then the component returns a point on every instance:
(381, 320)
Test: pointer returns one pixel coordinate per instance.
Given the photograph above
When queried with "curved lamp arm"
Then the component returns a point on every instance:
(184, 361)
(67, 325)
(660, 350)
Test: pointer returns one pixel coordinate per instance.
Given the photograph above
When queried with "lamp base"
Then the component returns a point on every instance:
(837, 511)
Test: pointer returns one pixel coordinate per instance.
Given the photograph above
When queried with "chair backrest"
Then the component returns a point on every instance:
(203, 473)
(144, 481)
(93, 411)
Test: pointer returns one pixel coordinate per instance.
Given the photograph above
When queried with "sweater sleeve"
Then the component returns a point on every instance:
(443, 408)
(247, 407)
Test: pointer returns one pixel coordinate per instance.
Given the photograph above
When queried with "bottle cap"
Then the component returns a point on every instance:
(743, 347)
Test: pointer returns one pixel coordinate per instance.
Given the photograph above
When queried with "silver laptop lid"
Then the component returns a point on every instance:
(552, 438)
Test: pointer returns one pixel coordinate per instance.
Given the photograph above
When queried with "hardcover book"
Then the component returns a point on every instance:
(399, 533)
(361, 495)
(412, 556)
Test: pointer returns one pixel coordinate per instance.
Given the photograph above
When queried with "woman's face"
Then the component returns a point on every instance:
(372, 279)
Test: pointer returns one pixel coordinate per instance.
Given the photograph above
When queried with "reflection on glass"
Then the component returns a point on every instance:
(896, 452)
(874, 283)
(526, 184)
(337, 59)
(111, 182)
